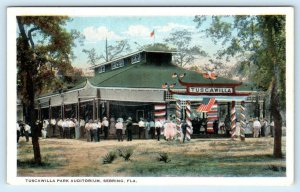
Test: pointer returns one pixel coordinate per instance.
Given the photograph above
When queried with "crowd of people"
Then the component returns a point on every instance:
(93, 130)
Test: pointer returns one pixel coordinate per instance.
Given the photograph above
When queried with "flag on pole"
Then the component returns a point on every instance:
(152, 33)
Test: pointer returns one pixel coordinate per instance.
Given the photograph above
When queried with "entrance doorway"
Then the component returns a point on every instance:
(139, 114)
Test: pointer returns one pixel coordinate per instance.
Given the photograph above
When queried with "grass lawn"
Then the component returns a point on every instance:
(199, 157)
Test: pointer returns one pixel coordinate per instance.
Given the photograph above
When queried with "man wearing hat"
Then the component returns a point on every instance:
(105, 125)
(129, 129)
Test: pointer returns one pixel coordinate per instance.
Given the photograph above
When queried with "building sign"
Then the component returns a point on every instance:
(222, 90)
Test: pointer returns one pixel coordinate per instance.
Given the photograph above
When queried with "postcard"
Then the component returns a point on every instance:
(183, 96)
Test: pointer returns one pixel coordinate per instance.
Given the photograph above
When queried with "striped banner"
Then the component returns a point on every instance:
(243, 121)
(212, 115)
(233, 120)
(188, 120)
(160, 112)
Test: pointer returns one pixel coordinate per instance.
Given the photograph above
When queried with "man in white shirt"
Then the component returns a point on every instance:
(27, 129)
(256, 128)
(158, 126)
(141, 128)
(45, 128)
(105, 125)
(119, 129)
(18, 132)
(94, 131)
(65, 128)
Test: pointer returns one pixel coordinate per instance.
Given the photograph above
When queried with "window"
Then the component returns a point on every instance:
(117, 64)
(101, 69)
(135, 58)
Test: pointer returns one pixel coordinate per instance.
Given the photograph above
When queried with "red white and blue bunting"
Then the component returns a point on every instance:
(160, 112)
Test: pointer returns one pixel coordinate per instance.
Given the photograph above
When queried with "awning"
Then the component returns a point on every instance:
(133, 95)
(56, 100)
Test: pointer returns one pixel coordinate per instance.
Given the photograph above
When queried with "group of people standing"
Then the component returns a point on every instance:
(71, 128)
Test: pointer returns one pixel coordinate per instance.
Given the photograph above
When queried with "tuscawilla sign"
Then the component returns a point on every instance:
(210, 90)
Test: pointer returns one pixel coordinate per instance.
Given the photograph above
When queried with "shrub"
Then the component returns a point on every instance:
(126, 153)
(164, 157)
(109, 157)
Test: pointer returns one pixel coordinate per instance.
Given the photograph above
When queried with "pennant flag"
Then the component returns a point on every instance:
(209, 75)
(174, 75)
(152, 34)
(164, 85)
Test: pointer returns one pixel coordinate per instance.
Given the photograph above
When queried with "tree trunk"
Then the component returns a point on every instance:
(277, 120)
(26, 62)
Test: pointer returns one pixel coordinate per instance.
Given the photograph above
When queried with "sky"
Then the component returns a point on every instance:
(133, 28)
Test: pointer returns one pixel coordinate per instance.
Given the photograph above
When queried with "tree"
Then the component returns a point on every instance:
(158, 47)
(186, 53)
(111, 52)
(258, 43)
(93, 58)
(42, 45)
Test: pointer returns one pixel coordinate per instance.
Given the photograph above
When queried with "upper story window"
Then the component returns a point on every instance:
(117, 64)
(101, 69)
(135, 58)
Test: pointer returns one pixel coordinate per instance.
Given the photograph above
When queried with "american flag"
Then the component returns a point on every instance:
(207, 104)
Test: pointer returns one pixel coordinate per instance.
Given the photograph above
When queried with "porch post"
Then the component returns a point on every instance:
(233, 119)
(188, 120)
(50, 110)
(243, 121)
(107, 109)
(178, 114)
(78, 110)
(93, 109)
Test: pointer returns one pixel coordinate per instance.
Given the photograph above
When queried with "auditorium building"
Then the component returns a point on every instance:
(142, 84)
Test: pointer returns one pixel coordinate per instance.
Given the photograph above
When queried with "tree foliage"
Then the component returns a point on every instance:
(186, 52)
(158, 47)
(93, 57)
(111, 52)
(258, 44)
(44, 47)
